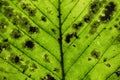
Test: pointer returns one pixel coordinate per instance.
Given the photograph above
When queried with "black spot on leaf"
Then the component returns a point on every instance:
(29, 44)
(31, 12)
(33, 29)
(3, 25)
(108, 65)
(118, 73)
(89, 59)
(77, 26)
(24, 22)
(16, 59)
(43, 18)
(95, 54)
(49, 77)
(54, 31)
(69, 36)
(109, 9)
(15, 34)
(46, 58)
(105, 59)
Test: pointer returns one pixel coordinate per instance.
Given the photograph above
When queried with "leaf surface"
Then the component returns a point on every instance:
(59, 39)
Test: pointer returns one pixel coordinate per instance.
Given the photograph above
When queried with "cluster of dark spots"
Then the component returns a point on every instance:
(29, 44)
(46, 58)
(95, 6)
(95, 54)
(33, 67)
(89, 59)
(43, 18)
(77, 26)
(30, 10)
(15, 34)
(69, 36)
(118, 73)
(108, 65)
(54, 31)
(48, 77)
(88, 18)
(33, 29)
(8, 12)
(109, 9)
(94, 27)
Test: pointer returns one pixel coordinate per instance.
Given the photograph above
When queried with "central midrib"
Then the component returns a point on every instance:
(60, 40)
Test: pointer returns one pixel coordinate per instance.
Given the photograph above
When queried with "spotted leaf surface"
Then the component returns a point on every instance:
(59, 39)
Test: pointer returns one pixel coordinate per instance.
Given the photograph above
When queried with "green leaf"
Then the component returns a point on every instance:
(59, 39)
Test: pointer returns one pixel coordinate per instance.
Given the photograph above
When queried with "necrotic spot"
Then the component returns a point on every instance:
(49, 77)
(43, 19)
(33, 29)
(108, 12)
(16, 34)
(118, 73)
(95, 54)
(29, 44)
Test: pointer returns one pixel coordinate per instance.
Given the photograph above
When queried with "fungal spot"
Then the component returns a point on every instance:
(69, 36)
(31, 12)
(29, 44)
(33, 67)
(15, 34)
(3, 3)
(24, 6)
(89, 59)
(4, 46)
(95, 54)
(77, 26)
(116, 26)
(33, 29)
(3, 25)
(5, 40)
(54, 31)
(118, 73)
(15, 59)
(105, 59)
(25, 67)
(94, 7)
(24, 22)
(87, 18)
(108, 65)
(43, 18)
(46, 58)
(74, 45)
(8, 12)
(94, 27)
(108, 12)
(56, 70)
(48, 77)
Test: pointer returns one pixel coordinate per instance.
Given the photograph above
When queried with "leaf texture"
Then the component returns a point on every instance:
(59, 39)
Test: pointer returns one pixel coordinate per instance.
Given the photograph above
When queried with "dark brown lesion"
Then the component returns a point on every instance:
(16, 34)
(29, 44)
(108, 12)
(95, 54)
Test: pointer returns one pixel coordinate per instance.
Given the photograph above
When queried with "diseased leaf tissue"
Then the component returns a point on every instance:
(59, 39)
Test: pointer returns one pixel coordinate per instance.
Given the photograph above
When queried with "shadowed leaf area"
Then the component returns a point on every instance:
(59, 39)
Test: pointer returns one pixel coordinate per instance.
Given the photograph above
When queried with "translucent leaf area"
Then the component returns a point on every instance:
(59, 39)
